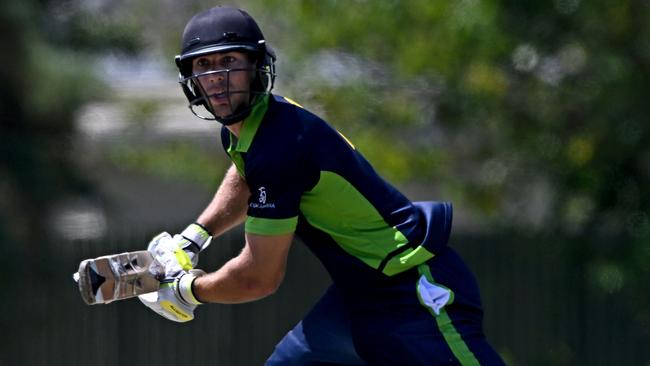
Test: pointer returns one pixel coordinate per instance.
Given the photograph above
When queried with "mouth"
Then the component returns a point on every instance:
(218, 97)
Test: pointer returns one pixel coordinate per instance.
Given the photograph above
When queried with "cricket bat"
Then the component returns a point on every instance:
(117, 277)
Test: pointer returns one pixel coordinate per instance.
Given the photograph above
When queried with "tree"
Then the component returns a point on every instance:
(45, 78)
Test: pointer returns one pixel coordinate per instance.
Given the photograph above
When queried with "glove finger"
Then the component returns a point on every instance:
(159, 302)
(165, 248)
(159, 239)
(173, 262)
(170, 263)
(150, 300)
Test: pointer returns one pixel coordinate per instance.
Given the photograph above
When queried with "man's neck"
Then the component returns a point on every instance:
(235, 128)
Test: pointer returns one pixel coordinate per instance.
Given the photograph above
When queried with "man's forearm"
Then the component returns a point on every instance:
(229, 205)
(231, 284)
(255, 273)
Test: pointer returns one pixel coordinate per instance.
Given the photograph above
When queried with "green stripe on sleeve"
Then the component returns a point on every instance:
(262, 226)
(452, 337)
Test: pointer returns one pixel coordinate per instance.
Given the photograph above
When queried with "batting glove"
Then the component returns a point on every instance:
(175, 299)
(180, 252)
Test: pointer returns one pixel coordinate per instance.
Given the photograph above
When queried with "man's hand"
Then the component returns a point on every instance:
(174, 299)
(180, 252)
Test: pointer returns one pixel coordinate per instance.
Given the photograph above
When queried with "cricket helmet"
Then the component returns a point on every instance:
(217, 30)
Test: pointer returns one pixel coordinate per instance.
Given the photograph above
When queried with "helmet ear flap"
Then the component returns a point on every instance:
(196, 96)
(184, 67)
(264, 71)
(188, 92)
(184, 79)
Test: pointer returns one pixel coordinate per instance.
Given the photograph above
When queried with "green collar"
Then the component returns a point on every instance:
(250, 126)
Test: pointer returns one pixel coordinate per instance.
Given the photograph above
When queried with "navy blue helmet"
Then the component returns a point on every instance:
(217, 30)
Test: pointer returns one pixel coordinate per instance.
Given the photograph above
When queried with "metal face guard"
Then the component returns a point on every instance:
(200, 100)
(117, 277)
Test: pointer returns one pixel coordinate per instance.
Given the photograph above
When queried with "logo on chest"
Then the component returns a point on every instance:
(262, 198)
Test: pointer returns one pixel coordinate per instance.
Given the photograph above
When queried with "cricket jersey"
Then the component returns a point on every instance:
(306, 177)
(400, 295)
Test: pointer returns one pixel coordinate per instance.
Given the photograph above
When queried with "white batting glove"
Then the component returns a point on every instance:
(193, 240)
(180, 252)
(175, 299)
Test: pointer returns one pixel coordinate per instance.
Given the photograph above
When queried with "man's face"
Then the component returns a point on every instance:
(227, 90)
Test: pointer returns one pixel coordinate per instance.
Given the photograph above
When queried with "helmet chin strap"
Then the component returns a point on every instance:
(240, 115)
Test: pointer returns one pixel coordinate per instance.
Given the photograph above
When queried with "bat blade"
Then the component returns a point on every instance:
(121, 276)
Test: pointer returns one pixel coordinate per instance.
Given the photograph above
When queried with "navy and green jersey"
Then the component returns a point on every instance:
(306, 177)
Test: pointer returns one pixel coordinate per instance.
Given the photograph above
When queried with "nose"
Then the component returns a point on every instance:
(216, 77)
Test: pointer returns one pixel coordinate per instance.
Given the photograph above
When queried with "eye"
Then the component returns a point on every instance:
(201, 64)
(228, 60)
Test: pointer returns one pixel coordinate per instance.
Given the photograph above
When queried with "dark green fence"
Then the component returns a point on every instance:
(540, 310)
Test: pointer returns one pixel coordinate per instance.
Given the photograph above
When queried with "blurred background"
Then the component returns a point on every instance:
(532, 117)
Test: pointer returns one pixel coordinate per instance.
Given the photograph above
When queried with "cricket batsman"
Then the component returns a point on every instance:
(400, 295)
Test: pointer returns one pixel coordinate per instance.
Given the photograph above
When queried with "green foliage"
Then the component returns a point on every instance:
(530, 89)
(141, 111)
(46, 79)
(531, 113)
(91, 28)
(61, 84)
(176, 161)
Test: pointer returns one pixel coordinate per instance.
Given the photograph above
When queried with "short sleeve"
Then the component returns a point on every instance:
(274, 204)
(277, 177)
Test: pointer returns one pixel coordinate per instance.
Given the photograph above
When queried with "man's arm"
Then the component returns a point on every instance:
(229, 205)
(255, 273)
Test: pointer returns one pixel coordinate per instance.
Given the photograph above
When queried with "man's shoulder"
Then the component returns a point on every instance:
(286, 101)
(297, 119)
(288, 109)
(280, 137)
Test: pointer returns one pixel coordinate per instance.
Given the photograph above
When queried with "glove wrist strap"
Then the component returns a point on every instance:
(185, 290)
(198, 235)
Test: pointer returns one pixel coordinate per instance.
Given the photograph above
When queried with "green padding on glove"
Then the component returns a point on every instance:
(183, 259)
